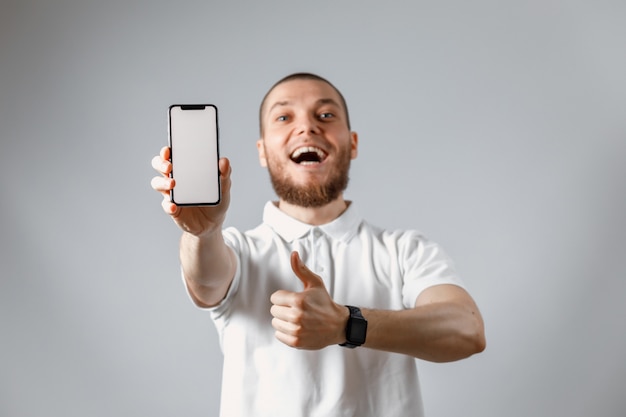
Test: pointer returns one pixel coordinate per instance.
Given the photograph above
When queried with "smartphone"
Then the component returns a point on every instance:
(194, 154)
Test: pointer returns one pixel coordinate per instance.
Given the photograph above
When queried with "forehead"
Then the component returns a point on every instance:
(301, 92)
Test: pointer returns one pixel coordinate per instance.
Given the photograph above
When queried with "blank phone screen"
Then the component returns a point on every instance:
(194, 154)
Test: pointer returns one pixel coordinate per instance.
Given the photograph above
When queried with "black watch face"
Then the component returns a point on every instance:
(357, 331)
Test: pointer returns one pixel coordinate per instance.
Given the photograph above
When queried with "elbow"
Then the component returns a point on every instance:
(458, 347)
(480, 343)
(470, 341)
(475, 339)
(469, 346)
(466, 347)
(474, 333)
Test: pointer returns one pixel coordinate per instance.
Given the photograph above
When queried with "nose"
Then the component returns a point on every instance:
(308, 125)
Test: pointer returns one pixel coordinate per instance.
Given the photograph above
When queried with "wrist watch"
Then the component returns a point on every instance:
(356, 328)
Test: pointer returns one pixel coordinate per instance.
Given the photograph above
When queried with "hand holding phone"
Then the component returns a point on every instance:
(195, 220)
(194, 154)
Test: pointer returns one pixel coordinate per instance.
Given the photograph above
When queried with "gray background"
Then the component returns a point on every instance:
(498, 128)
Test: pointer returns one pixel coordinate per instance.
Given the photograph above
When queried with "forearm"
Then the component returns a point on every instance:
(445, 324)
(437, 332)
(208, 266)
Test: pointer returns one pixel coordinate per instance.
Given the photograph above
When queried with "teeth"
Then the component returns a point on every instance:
(320, 153)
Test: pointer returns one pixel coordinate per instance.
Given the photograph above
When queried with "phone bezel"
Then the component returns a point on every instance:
(187, 107)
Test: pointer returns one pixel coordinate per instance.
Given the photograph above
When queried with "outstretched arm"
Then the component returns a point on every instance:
(208, 263)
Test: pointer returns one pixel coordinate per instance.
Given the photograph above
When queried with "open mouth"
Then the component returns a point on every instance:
(308, 155)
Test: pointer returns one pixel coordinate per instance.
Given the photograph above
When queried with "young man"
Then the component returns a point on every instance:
(319, 313)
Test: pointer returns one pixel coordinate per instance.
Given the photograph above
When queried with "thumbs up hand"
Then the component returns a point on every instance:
(309, 319)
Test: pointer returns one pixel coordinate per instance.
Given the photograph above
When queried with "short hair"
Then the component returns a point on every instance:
(302, 76)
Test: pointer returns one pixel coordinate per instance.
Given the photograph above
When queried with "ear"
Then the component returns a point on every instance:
(260, 146)
(354, 145)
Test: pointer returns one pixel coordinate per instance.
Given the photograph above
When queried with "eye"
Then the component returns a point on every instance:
(326, 115)
(282, 118)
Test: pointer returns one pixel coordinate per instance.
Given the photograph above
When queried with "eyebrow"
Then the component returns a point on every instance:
(278, 104)
(319, 102)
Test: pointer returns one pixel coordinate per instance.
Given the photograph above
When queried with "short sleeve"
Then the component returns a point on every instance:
(424, 264)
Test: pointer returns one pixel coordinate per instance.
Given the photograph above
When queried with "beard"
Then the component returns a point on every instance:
(312, 194)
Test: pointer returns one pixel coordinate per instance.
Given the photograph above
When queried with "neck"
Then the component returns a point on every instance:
(315, 216)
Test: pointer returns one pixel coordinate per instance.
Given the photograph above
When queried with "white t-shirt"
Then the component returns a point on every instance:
(361, 265)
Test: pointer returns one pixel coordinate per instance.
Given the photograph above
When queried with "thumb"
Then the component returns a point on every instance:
(225, 171)
(224, 167)
(308, 278)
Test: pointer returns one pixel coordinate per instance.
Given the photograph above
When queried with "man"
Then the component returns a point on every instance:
(319, 313)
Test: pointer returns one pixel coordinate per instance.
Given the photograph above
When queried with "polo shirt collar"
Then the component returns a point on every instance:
(342, 228)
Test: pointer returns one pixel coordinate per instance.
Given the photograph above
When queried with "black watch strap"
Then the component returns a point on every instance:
(356, 328)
